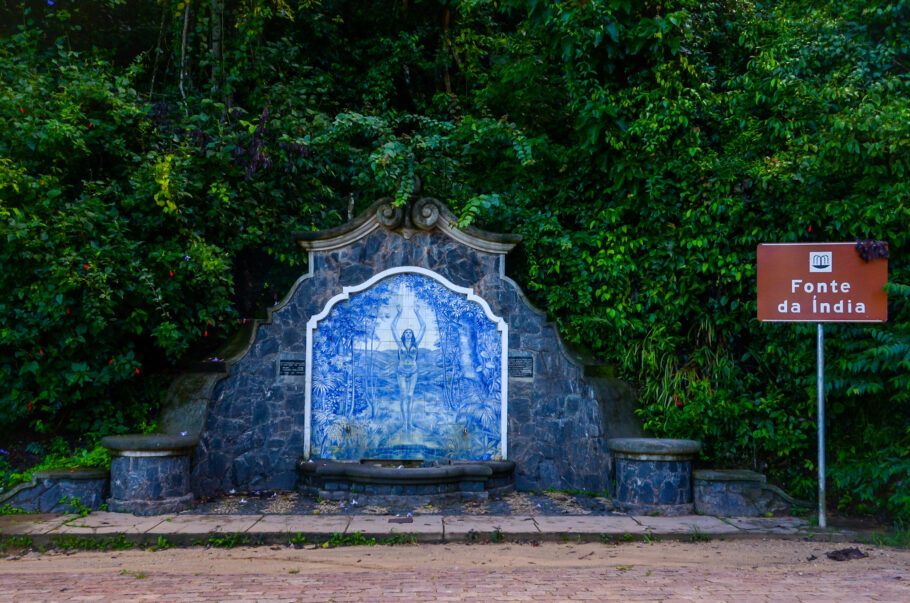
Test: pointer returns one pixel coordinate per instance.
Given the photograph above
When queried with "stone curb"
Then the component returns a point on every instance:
(185, 529)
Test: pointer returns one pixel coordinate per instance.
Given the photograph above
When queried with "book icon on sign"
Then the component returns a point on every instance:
(820, 261)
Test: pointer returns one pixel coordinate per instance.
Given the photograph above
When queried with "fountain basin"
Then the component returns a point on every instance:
(386, 483)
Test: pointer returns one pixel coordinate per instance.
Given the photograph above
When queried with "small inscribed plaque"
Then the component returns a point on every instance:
(521, 367)
(292, 367)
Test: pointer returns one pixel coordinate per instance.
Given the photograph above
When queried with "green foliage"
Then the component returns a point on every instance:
(149, 183)
(696, 535)
(14, 543)
(162, 544)
(898, 535)
(61, 456)
(297, 540)
(226, 541)
(398, 539)
(877, 479)
(72, 542)
(75, 505)
(8, 510)
(353, 539)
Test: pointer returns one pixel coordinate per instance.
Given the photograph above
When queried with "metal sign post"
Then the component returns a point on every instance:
(822, 282)
(820, 353)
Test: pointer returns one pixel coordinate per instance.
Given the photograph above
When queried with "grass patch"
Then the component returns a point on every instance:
(86, 543)
(696, 535)
(225, 541)
(298, 540)
(898, 536)
(162, 544)
(14, 544)
(396, 539)
(354, 539)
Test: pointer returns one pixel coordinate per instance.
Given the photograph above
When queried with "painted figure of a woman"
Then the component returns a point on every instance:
(407, 363)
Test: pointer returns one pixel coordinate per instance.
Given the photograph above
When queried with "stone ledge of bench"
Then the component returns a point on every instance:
(357, 472)
(654, 448)
(77, 473)
(728, 475)
(499, 468)
(156, 443)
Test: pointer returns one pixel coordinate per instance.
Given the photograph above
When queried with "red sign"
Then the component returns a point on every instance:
(820, 282)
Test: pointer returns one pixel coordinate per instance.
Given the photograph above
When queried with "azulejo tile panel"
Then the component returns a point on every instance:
(406, 366)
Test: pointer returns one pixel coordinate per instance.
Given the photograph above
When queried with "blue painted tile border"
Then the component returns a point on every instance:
(406, 365)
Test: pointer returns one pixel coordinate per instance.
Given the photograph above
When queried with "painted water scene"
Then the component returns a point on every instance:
(407, 369)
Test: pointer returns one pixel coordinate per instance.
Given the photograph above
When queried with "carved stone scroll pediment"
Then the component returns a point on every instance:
(419, 214)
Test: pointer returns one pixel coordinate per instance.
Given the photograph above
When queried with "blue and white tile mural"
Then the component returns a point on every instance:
(409, 367)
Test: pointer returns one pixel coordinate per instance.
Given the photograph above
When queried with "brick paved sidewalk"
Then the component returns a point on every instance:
(607, 584)
(276, 529)
(603, 583)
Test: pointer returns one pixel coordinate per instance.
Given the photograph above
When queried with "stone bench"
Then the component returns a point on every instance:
(653, 476)
(45, 493)
(740, 493)
(150, 473)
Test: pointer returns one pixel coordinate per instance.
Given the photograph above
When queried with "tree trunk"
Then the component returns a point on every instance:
(183, 68)
(161, 28)
(216, 27)
(445, 36)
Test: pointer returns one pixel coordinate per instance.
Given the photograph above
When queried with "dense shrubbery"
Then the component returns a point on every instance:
(643, 150)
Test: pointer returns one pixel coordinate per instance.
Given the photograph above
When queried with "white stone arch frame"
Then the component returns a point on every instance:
(501, 326)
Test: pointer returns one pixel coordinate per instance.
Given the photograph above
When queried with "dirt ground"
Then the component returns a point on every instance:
(771, 556)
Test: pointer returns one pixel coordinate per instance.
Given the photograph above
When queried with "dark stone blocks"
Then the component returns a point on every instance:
(739, 493)
(354, 275)
(654, 476)
(85, 487)
(150, 485)
(256, 419)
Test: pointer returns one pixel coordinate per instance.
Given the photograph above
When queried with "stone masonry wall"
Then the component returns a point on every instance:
(254, 430)
(60, 491)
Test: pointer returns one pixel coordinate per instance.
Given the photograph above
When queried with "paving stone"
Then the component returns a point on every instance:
(31, 524)
(686, 524)
(103, 522)
(307, 525)
(458, 528)
(205, 524)
(587, 524)
(429, 527)
(769, 525)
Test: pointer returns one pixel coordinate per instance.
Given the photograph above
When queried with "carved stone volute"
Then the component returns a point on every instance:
(424, 213)
(389, 215)
(418, 214)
